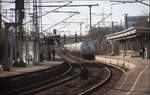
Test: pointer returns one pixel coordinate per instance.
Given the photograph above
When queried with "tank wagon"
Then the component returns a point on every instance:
(82, 49)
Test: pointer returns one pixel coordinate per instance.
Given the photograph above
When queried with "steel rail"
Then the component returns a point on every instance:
(92, 89)
(107, 68)
(51, 85)
(24, 91)
(47, 86)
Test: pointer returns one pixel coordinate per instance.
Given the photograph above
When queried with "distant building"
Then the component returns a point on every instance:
(136, 21)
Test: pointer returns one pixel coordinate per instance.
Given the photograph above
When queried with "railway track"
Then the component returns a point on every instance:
(114, 74)
(115, 77)
(51, 82)
(101, 88)
(56, 80)
(63, 78)
(52, 74)
(78, 86)
(98, 76)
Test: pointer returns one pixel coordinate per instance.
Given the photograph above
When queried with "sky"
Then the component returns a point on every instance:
(118, 11)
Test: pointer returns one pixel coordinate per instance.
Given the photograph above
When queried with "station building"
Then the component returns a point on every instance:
(130, 42)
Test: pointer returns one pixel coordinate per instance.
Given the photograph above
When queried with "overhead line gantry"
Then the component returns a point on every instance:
(90, 6)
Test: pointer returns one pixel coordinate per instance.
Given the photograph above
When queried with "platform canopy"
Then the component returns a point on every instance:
(129, 33)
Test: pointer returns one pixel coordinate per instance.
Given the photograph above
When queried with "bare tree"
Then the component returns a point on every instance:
(97, 35)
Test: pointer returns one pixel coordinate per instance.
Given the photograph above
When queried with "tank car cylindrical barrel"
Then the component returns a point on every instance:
(83, 49)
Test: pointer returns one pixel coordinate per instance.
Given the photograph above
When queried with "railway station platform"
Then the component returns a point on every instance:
(31, 68)
(136, 81)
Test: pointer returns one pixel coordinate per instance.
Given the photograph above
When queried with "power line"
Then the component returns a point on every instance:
(142, 2)
(69, 5)
(102, 20)
(37, 1)
(64, 26)
(77, 12)
(48, 12)
(135, 1)
(59, 23)
(90, 6)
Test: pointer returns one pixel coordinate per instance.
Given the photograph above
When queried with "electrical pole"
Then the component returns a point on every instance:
(90, 16)
(0, 19)
(80, 31)
(64, 39)
(36, 33)
(126, 21)
(19, 16)
(149, 14)
(76, 37)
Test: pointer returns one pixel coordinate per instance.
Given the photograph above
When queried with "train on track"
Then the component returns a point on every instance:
(83, 49)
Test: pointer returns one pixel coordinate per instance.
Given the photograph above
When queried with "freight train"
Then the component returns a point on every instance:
(83, 49)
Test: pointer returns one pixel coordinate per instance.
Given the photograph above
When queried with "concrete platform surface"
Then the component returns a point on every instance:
(136, 81)
(31, 68)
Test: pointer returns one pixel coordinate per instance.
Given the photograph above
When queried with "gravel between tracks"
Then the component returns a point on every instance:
(77, 85)
(116, 75)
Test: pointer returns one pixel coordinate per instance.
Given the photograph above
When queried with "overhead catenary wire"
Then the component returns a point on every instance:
(142, 2)
(52, 1)
(102, 20)
(59, 22)
(77, 12)
(88, 5)
(49, 12)
(64, 26)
